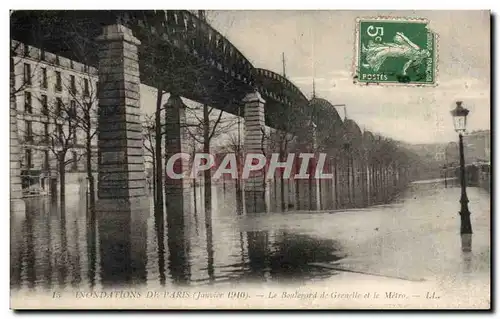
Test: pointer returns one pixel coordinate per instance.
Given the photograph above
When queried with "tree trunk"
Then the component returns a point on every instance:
(154, 174)
(90, 175)
(349, 181)
(194, 198)
(239, 192)
(207, 173)
(158, 199)
(336, 183)
(297, 185)
(62, 178)
(354, 176)
(374, 185)
(282, 183)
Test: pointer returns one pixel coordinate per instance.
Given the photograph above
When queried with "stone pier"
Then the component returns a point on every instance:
(122, 206)
(177, 191)
(17, 204)
(254, 185)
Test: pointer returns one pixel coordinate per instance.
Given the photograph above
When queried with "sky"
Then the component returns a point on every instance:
(320, 44)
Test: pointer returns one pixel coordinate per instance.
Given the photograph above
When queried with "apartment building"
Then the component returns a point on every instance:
(477, 145)
(51, 94)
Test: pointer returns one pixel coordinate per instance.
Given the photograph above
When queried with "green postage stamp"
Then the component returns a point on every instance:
(395, 51)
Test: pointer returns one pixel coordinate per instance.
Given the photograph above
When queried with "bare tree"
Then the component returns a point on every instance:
(203, 129)
(289, 134)
(157, 68)
(78, 40)
(83, 95)
(194, 148)
(149, 138)
(235, 145)
(62, 118)
(75, 37)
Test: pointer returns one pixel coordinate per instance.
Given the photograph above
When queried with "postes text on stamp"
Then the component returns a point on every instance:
(395, 51)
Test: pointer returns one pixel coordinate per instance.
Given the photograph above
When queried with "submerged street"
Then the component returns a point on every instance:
(413, 241)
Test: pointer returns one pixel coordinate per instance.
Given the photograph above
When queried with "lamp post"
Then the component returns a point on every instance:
(460, 121)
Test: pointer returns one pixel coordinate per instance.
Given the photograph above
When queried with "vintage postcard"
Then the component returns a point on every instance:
(197, 159)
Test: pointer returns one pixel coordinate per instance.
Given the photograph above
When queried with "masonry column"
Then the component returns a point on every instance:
(177, 190)
(17, 204)
(255, 198)
(122, 204)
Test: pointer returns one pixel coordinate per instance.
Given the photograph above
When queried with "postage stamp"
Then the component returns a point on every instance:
(399, 51)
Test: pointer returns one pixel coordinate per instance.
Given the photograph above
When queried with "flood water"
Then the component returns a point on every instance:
(414, 237)
(54, 248)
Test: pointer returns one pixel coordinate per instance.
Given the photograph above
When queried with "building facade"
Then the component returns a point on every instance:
(52, 96)
(477, 146)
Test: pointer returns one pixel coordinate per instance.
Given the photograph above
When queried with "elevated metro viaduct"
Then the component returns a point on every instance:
(179, 53)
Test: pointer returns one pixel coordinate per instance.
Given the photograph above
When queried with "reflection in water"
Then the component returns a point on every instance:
(178, 247)
(467, 262)
(30, 250)
(210, 252)
(160, 237)
(286, 256)
(62, 259)
(70, 247)
(91, 250)
(114, 251)
(122, 248)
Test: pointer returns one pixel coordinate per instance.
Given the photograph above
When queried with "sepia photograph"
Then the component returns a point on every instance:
(250, 159)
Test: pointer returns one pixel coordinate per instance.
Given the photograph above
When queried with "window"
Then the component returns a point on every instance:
(85, 87)
(45, 105)
(59, 106)
(74, 135)
(29, 132)
(60, 131)
(72, 110)
(46, 132)
(27, 73)
(58, 81)
(46, 161)
(75, 160)
(27, 157)
(27, 103)
(44, 78)
(73, 84)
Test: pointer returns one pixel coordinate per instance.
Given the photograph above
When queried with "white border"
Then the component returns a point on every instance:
(197, 4)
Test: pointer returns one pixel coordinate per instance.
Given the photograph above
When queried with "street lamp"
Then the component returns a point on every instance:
(460, 121)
